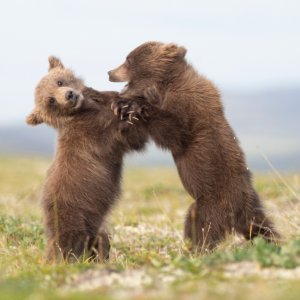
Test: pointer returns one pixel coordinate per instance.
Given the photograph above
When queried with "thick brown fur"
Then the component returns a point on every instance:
(183, 112)
(83, 181)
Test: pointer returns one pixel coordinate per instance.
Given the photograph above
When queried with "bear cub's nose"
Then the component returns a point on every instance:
(70, 95)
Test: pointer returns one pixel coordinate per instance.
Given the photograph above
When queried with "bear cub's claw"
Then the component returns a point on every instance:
(130, 111)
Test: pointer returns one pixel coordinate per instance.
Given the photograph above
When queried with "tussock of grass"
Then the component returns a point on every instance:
(149, 259)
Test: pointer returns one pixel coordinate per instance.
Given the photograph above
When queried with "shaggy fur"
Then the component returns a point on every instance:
(83, 181)
(182, 112)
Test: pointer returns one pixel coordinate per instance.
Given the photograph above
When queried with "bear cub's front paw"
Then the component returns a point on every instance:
(130, 111)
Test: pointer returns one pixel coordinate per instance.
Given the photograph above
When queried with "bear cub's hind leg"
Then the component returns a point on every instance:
(203, 227)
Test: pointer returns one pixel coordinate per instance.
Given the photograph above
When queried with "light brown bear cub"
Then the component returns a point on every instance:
(83, 181)
(182, 112)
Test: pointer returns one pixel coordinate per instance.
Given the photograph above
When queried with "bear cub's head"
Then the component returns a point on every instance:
(57, 96)
(151, 61)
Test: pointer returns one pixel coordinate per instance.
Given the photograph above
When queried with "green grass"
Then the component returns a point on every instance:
(149, 259)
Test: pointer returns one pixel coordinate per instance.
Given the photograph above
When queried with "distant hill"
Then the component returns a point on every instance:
(266, 121)
(22, 139)
(272, 112)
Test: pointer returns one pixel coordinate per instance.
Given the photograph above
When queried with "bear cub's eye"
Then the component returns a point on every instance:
(59, 83)
(51, 100)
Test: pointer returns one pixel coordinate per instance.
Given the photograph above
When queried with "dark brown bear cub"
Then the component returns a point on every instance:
(83, 181)
(183, 113)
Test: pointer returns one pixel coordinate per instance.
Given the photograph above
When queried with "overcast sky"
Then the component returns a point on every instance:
(241, 45)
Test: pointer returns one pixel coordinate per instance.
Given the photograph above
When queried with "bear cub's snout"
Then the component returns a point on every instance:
(112, 78)
(71, 96)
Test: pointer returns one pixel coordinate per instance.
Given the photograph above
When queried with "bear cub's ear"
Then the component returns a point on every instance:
(34, 118)
(175, 51)
(181, 51)
(54, 62)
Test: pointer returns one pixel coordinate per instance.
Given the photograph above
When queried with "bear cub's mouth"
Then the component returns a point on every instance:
(74, 99)
(78, 102)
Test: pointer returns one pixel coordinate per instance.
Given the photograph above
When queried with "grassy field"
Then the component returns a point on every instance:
(149, 259)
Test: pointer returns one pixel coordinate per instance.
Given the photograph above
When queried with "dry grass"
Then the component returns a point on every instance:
(149, 259)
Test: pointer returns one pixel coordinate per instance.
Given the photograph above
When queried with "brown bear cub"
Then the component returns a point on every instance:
(182, 112)
(83, 181)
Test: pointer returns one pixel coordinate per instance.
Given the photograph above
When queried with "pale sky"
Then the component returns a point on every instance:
(240, 45)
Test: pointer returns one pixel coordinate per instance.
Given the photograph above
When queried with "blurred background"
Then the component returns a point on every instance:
(250, 49)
